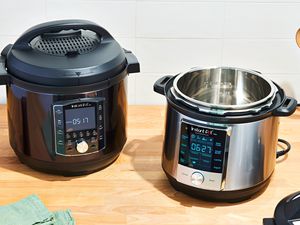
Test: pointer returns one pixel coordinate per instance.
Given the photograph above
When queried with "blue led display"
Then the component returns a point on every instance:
(202, 148)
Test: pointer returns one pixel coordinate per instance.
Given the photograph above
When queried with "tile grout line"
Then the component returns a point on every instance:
(223, 32)
(135, 48)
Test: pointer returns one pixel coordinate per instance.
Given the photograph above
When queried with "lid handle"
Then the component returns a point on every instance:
(160, 84)
(287, 108)
(56, 26)
(133, 64)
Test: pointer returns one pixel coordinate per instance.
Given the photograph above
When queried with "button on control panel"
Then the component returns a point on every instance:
(79, 126)
(197, 178)
(82, 146)
(59, 129)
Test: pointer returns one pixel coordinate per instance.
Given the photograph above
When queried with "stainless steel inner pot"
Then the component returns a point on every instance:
(224, 87)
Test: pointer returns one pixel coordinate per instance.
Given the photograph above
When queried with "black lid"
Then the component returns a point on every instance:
(67, 53)
(287, 211)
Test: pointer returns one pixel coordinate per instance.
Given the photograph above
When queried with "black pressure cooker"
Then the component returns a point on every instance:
(66, 96)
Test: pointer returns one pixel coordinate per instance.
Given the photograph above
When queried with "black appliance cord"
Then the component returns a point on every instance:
(284, 151)
(288, 145)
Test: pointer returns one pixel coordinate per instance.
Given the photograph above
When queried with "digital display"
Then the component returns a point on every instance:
(80, 119)
(202, 148)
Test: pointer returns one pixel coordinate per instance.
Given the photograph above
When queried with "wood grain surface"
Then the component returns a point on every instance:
(134, 190)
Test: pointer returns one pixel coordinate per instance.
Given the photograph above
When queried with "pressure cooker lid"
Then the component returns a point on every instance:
(65, 53)
(224, 88)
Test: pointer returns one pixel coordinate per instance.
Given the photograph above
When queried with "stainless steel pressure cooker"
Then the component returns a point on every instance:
(221, 131)
(66, 96)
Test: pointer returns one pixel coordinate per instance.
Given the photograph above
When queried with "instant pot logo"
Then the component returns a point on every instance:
(202, 130)
(80, 105)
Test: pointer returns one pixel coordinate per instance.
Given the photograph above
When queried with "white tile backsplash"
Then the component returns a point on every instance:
(118, 17)
(144, 90)
(288, 82)
(268, 56)
(17, 16)
(127, 43)
(176, 55)
(179, 19)
(5, 40)
(171, 36)
(237, 1)
(261, 20)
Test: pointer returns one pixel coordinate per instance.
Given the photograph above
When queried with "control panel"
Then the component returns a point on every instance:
(202, 156)
(79, 126)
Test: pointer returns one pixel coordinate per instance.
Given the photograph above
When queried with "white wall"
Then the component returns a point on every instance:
(171, 36)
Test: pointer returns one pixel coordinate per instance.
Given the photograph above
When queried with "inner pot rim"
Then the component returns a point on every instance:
(272, 91)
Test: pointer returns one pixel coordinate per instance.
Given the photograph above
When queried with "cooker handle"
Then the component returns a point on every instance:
(287, 108)
(159, 85)
(56, 26)
(133, 65)
(4, 76)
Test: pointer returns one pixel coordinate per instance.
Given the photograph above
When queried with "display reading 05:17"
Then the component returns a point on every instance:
(78, 121)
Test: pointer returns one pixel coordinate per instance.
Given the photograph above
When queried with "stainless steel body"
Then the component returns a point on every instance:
(250, 148)
(221, 131)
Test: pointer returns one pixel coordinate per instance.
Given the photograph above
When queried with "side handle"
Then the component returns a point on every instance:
(287, 108)
(133, 64)
(4, 76)
(159, 85)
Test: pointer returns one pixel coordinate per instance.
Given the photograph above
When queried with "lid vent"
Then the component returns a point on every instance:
(61, 46)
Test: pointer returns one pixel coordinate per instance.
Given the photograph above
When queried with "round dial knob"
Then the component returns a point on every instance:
(197, 178)
(82, 147)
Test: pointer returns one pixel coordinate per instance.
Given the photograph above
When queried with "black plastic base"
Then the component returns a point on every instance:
(66, 169)
(219, 196)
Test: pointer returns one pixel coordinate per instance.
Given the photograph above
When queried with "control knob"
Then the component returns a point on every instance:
(197, 178)
(82, 147)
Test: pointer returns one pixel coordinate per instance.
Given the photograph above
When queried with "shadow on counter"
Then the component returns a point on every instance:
(145, 158)
(10, 161)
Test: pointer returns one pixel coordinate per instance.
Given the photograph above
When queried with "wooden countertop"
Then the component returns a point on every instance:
(134, 190)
